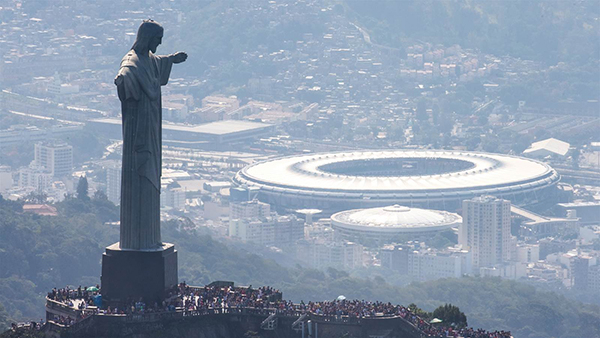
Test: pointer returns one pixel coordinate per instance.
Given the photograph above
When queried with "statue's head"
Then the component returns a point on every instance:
(149, 36)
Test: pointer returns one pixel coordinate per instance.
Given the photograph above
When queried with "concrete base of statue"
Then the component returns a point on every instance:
(128, 275)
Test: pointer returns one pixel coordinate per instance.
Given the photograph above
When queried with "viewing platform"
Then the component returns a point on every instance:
(222, 306)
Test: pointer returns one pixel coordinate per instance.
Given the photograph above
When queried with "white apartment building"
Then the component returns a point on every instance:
(424, 265)
(507, 270)
(323, 254)
(252, 209)
(528, 253)
(56, 158)
(485, 231)
(279, 231)
(173, 198)
(35, 176)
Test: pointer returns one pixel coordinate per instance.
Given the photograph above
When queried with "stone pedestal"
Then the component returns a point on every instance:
(134, 274)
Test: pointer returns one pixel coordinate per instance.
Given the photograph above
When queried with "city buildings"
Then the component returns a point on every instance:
(419, 263)
(582, 266)
(253, 221)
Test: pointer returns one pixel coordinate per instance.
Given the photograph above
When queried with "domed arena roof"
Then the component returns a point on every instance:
(395, 219)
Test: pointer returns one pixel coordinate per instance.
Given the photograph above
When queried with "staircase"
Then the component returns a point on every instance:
(270, 323)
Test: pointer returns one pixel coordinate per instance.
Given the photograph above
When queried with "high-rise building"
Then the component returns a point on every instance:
(113, 182)
(485, 231)
(57, 158)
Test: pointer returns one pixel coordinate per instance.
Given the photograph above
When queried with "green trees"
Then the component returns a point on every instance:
(450, 315)
(38, 253)
(418, 311)
(100, 195)
(4, 320)
(82, 189)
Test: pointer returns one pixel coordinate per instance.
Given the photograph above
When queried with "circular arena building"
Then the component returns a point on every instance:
(432, 179)
(389, 224)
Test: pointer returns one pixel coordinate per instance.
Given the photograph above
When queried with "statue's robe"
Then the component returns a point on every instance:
(138, 85)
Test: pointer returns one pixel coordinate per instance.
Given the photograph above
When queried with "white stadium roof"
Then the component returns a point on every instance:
(304, 172)
(395, 218)
(431, 178)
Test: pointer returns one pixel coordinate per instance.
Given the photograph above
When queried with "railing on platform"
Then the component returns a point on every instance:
(270, 323)
(61, 307)
(151, 316)
(336, 318)
(296, 324)
(180, 312)
(271, 314)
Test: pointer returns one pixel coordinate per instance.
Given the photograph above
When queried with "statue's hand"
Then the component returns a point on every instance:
(179, 57)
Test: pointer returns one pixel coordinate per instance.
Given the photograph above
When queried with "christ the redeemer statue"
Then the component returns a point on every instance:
(138, 84)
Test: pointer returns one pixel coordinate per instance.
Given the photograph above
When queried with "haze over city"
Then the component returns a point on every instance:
(307, 168)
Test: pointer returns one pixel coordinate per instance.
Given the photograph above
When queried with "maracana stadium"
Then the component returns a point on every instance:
(431, 179)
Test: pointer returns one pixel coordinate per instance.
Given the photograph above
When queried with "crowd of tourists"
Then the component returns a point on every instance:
(83, 297)
(364, 309)
(226, 298)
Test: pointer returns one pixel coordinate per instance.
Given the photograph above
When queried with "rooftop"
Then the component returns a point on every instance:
(552, 145)
(224, 127)
(212, 128)
(396, 217)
